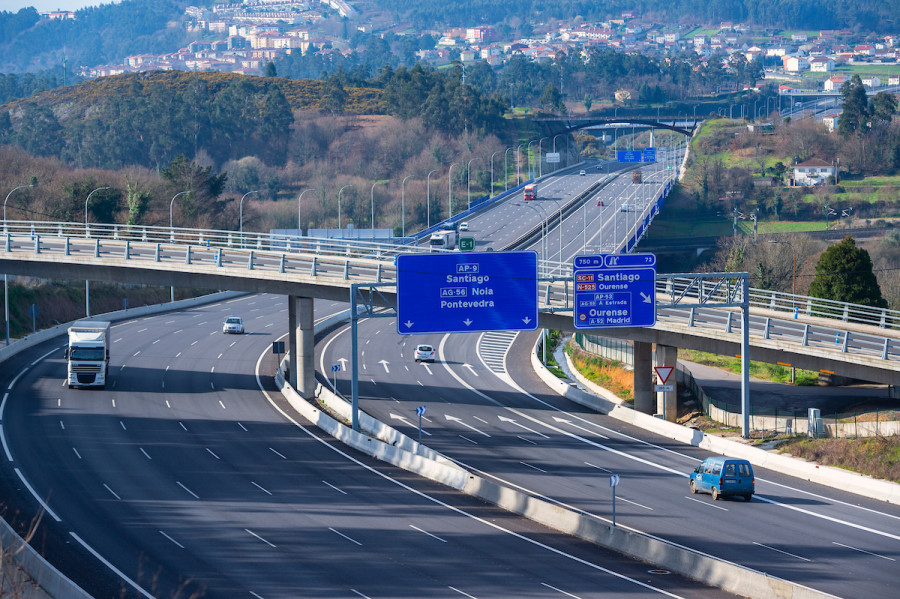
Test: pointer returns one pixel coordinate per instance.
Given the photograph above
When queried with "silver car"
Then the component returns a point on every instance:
(233, 325)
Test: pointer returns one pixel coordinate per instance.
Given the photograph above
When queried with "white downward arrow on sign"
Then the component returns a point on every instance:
(385, 364)
(526, 320)
(467, 321)
(408, 324)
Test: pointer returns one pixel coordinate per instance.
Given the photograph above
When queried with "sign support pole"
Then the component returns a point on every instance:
(354, 362)
(745, 356)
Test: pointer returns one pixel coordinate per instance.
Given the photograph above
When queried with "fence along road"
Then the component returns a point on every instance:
(325, 269)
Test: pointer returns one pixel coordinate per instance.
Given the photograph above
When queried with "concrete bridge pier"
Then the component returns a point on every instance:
(301, 345)
(667, 401)
(643, 377)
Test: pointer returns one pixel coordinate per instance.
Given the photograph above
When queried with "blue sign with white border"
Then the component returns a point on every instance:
(629, 156)
(649, 155)
(473, 291)
(614, 291)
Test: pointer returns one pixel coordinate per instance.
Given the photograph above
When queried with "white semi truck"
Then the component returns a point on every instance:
(88, 353)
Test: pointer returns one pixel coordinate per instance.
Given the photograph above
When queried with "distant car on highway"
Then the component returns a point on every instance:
(601, 203)
(233, 325)
(624, 207)
(722, 477)
(464, 226)
(424, 353)
(582, 173)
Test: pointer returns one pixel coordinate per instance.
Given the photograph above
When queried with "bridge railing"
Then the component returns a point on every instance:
(793, 305)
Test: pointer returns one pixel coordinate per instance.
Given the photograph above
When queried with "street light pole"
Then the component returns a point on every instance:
(492, 173)
(171, 205)
(299, 200)
(518, 164)
(339, 205)
(241, 208)
(5, 276)
(505, 170)
(402, 206)
(450, 190)
(540, 162)
(372, 195)
(469, 183)
(428, 198)
(87, 283)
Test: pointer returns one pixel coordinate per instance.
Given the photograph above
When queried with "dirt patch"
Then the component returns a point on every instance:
(874, 456)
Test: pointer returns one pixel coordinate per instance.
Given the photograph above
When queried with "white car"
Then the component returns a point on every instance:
(624, 207)
(424, 353)
(582, 173)
(234, 325)
(463, 226)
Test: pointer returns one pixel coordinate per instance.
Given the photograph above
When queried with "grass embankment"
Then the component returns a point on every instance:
(875, 456)
(760, 370)
(606, 373)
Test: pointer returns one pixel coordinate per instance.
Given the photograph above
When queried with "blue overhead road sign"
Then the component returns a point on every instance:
(452, 293)
(615, 290)
(649, 155)
(629, 156)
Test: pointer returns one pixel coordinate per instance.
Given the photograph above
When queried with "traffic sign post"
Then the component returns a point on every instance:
(420, 411)
(278, 348)
(614, 482)
(334, 370)
(465, 292)
(615, 291)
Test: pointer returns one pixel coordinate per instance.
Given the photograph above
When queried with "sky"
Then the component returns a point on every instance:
(45, 5)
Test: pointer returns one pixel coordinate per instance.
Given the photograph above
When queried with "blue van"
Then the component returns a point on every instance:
(723, 476)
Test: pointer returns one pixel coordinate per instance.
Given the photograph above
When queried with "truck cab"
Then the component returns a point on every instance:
(88, 354)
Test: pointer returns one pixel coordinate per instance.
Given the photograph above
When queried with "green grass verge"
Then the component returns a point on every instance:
(874, 456)
(760, 370)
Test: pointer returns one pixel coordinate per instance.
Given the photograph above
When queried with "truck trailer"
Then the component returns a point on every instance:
(530, 192)
(88, 354)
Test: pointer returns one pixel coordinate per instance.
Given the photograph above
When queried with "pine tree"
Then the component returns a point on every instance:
(844, 273)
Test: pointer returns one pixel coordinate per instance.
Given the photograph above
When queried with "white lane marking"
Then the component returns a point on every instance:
(106, 486)
(242, 426)
(480, 419)
(278, 454)
(37, 497)
(527, 440)
(221, 404)
(620, 498)
(462, 593)
(212, 370)
(111, 567)
(260, 538)
(468, 439)
(345, 536)
(44, 356)
(211, 386)
(780, 551)
(171, 539)
(167, 402)
(360, 594)
(718, 507)
(864, 551)
(232, 344)
(169, 322)
(76, 453)
(530, 430)
(136, 353)
(5, 446)
(468, 426)
(436, 501)
(256, 595)
(13, 382)
(186, 489)
(261, 488)
(123, 425)
(534, 467)
(3, 405)
(155, 342)
(335, 488)
(113, 403)
(425, 532)
(220, 356)
(213, 454)
(117, 340)
(142, 330)
(560, 591)
(195, 343)
(599, 468)
(61, 425)
(426, 368)
(178, 355)
(146, 455)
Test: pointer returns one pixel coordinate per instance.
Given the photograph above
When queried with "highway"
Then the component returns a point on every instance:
(188, 476)
(488, 411)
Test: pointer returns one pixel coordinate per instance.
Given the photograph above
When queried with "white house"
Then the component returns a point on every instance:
(813, 172)
(831, 120)
(795, 64)
(821, 64)
(871, 81)
(894, 80)
(835, 83)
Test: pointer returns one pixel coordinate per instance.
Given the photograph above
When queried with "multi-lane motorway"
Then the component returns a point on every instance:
(188, 476)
